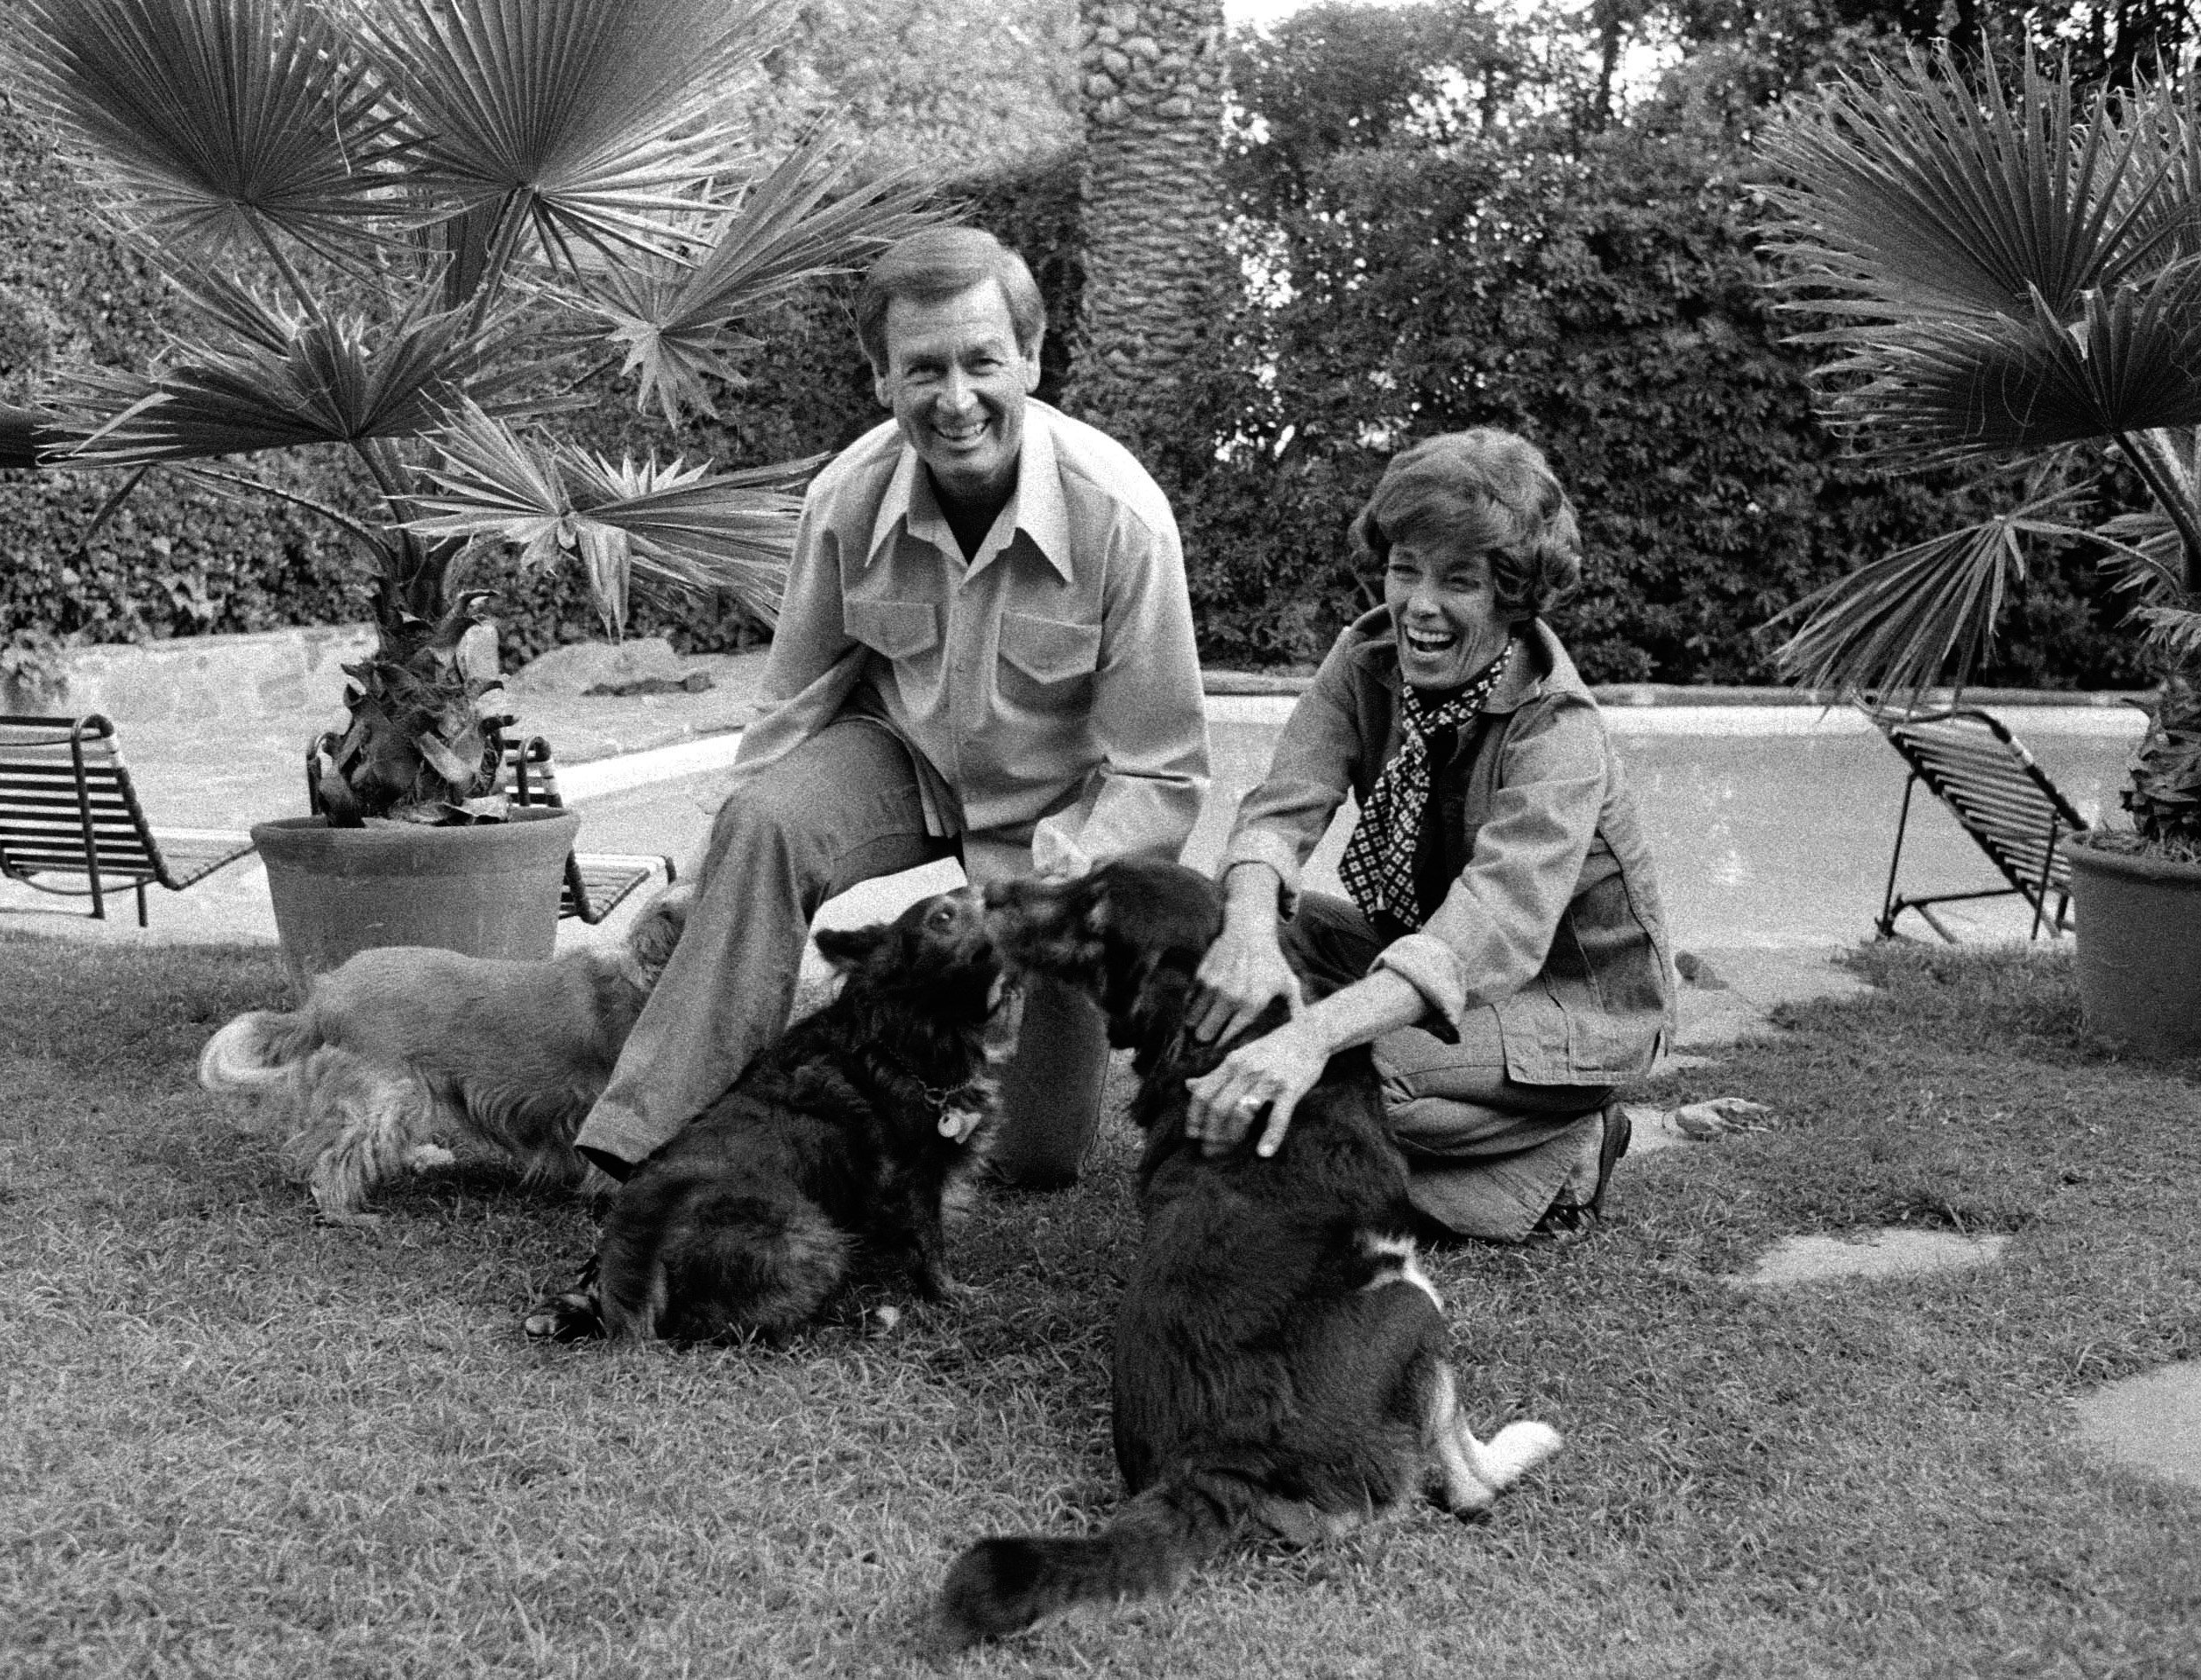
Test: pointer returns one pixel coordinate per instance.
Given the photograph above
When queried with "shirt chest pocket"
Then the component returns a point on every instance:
(1046, 663)
(899, 629)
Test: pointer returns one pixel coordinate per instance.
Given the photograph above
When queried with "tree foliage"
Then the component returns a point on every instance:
(1435, 255)
(1447, 221)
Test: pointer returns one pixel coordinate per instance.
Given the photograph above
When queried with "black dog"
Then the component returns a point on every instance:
(835, 1148)
(1280, 1360)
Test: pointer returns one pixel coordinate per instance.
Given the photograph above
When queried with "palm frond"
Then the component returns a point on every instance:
(798, 221)
(2162, 112)
(1896, 625)
(1941, 391)
(2173, 633)
(1920, 194)
(585, 120)
(212, 121)
(683, 527)
(290, 379)
(2144, 553)
(238, 486)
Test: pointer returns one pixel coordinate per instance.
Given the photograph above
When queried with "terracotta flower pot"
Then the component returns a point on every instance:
(489, 891)
(2138, 948)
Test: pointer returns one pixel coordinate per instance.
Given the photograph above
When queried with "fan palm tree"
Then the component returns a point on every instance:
(2012, 279)
(407, 228)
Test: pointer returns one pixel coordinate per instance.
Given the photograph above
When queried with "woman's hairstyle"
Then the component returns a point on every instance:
(1488, 492)
(940, 263)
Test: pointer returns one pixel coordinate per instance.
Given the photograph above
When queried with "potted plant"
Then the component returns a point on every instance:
(406, 230)
(2011, 279)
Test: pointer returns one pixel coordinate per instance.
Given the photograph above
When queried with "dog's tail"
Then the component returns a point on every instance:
(254, 1054)
(692, 1260)
(1008, 1583)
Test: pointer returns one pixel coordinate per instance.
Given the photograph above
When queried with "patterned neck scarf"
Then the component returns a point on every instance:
(1377, 868)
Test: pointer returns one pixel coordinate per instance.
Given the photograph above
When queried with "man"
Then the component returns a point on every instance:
(985, 648)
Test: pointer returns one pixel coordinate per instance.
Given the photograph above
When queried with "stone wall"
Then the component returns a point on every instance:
(211, 679)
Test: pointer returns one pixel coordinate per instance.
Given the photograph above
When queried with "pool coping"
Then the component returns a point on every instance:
(1254, 684)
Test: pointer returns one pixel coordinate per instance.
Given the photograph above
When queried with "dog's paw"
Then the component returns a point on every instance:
(1519, 1447)
(427, 1157)
(566, 1318)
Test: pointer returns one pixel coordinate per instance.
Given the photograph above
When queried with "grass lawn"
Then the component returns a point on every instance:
(234, 1444)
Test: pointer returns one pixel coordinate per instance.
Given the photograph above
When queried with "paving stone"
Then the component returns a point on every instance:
(2150, 1423)
(1655, 1128)
(1652, 1130)
(1894, 1252)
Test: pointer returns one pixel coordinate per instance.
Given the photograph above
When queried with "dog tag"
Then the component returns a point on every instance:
(958, 1123)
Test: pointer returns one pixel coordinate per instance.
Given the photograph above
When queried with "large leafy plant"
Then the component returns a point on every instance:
(407, 229)
(2012, 280)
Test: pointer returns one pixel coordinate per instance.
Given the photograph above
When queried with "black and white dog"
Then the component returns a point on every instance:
(1281, 1366)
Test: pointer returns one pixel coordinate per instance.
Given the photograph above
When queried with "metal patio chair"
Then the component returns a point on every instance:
(71, 823)
(596, 882)
(1999, 796)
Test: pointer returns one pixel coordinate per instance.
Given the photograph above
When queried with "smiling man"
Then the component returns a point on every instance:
(985, 650)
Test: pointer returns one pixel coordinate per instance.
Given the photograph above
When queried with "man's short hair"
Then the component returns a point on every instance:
(1486, 490)
(942, 262)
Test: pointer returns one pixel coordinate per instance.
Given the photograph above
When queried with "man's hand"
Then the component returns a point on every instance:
(1243, 973)
(1273, 1072)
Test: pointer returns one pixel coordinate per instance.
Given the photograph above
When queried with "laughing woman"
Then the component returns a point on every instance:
(1503, 950)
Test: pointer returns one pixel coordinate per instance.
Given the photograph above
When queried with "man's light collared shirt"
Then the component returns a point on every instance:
(1049, 686)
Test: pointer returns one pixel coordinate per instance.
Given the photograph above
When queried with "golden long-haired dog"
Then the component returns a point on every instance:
(1281, 1361)
(400, 1048)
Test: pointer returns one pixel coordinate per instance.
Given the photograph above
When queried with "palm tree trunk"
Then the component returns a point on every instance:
(1152, 76)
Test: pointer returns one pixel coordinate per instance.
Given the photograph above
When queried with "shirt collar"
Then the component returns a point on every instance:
(1037, 508)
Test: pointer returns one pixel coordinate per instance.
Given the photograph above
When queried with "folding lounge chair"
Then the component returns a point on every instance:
(596, 882)
(2004, 800)
(69, 814)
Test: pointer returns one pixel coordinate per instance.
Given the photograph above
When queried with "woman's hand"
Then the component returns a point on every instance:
(1272, 1072)
(1241, 975)
(1243, 972)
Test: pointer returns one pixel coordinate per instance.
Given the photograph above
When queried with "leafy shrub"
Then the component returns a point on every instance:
(1602, 296)
(1608, 306)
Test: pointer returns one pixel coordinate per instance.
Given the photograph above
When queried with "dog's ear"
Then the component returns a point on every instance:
(847, 949)
(1158, 1015)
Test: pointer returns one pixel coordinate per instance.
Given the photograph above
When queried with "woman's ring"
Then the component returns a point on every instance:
(1249, 1104)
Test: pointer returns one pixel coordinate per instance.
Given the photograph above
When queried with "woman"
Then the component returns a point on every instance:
(1504, 950)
